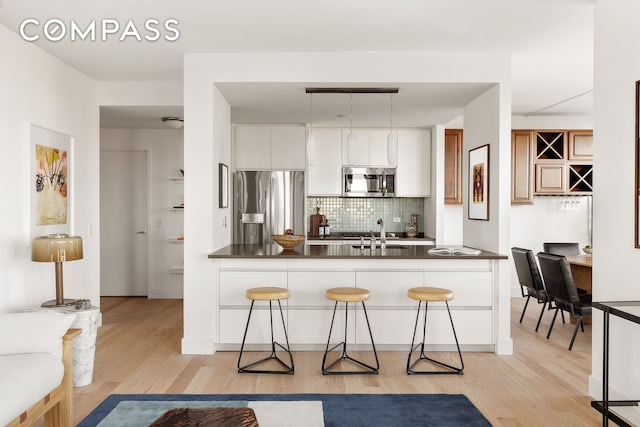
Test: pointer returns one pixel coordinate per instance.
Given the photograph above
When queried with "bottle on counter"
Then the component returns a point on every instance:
(327, 229)
(321, 230)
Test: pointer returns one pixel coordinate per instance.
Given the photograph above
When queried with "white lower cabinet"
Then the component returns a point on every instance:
(391, 312)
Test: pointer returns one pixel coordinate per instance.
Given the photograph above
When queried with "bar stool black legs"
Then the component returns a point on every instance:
(347, 295)
(425, 295)
(269, 294)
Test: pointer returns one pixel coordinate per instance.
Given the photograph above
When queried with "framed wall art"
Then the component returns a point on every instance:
(479, 183)
(223, 185)
(49, 182)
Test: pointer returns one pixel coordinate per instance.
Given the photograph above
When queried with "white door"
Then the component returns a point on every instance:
(123, 227)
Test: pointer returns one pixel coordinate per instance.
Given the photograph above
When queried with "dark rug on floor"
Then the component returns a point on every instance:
(351, 410)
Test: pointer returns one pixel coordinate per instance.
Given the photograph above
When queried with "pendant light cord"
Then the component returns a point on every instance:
(391, 115)
(351, 113)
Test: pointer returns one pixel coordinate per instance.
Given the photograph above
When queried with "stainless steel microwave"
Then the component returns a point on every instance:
(368, 182)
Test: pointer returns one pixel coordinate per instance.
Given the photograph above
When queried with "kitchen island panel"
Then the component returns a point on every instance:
(392, 330)
(308, 287)
(470, 288)
(389, 288)
(309, 328)
(234, 321)
(319, 265)
(233, 284)
(392, 313)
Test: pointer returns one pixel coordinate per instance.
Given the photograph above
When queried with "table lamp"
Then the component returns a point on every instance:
(57, 248)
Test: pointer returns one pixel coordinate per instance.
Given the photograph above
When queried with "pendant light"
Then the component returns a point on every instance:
(392, 139)
(311, 140)
(351, 138)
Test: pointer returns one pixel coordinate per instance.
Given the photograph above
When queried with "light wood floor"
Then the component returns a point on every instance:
(542, 384)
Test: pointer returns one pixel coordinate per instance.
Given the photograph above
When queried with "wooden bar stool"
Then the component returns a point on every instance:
(267, 293)
(426, 295)
(348, 295)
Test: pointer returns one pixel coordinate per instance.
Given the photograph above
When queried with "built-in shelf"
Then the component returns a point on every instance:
(176, 240)
(177, 210)
(177, 179)
(176, 270)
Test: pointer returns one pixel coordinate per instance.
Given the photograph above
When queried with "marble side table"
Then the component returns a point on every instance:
(84, 345)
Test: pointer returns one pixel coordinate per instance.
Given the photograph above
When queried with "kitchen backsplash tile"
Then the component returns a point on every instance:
(361, 214)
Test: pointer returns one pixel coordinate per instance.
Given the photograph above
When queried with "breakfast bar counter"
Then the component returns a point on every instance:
(309, 270)
(393, 250)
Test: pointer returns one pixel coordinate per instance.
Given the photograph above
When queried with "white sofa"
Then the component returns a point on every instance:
(35, 368)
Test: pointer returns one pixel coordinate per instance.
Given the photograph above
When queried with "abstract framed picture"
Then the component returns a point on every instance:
(223, 183)
(479, 183)
(49, 182)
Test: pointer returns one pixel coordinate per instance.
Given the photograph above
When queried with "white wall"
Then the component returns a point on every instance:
(487, 120)
(616, 263)
(434, 205)
(37, 88)
(547, 220)
(165, 148)
(204, 127)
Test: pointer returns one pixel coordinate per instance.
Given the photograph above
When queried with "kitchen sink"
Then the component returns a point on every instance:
(379, 247)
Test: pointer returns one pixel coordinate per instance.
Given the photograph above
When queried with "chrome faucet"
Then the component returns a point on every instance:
(383, 237)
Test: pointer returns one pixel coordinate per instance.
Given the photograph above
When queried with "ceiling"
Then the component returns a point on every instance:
(551, 43)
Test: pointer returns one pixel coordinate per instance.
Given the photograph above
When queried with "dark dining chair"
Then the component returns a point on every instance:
(566, 249)
(561, 288)
(530, 280)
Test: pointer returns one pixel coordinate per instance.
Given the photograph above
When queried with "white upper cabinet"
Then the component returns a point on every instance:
(252, 147)
(413, 173)
(268, 147)
(288, 147)
(370, 148)
(378, 148)
(324, 172)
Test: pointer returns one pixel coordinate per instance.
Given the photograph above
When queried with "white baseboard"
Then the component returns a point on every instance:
(198, 345)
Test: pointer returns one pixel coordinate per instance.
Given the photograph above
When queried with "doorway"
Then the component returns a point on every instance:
(123, 223)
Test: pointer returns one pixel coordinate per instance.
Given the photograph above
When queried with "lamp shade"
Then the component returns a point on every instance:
(311, 149)
(56, 248)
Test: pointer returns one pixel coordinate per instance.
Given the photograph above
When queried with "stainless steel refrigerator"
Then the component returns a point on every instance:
(266, 203)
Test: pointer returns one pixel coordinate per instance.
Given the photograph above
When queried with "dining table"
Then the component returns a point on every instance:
(581, 271)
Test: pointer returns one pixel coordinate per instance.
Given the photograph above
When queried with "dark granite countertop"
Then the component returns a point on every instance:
(340, 251)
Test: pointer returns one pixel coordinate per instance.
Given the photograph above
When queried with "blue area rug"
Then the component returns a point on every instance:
(350, 410)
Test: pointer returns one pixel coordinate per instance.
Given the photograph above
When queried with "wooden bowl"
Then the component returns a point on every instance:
(287, 241)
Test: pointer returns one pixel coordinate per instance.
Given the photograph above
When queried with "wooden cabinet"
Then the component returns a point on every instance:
(522, 168)
(258, 147)
(562, 163)
(581, 145)
(369, 149)
(324, 176)
(551, 178)
(453, 166)
(413, 173)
